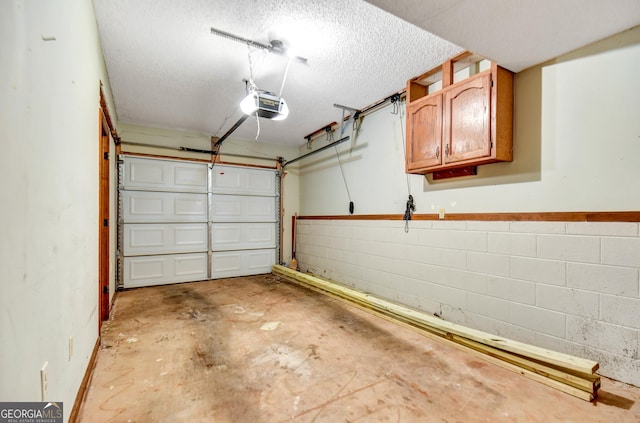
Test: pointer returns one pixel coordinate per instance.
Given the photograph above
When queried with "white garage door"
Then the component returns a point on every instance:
(243, 219)
(163, 221)
(183, 221)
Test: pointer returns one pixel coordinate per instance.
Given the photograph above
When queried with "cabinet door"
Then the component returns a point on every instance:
(424, 133)
(467, 125)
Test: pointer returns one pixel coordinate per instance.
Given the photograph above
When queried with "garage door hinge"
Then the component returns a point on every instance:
(105, 223)
(105, 155)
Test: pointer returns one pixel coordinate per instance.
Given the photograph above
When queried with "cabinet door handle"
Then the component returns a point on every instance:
(437, 152)
(447, 150)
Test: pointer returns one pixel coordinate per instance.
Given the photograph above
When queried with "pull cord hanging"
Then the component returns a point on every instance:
(351, 206)
(411, 207)
(251, 85)
(284, 78)
(352, 119)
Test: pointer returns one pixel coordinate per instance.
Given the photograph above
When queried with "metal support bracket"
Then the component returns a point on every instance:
(354, 114)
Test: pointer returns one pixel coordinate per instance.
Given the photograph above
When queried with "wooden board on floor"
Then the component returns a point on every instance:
(573, 375)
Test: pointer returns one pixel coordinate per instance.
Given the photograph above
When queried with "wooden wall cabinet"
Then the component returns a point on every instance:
(464, 123)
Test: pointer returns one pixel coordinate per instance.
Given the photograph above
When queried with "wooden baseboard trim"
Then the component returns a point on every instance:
(82, 391)
(608, 216)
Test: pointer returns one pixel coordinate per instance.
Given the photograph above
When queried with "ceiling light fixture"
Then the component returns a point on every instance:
(263, 104)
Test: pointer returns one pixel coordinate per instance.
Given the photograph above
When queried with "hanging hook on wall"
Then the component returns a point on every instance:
(329, 133)
(356, 121)
(395, 102)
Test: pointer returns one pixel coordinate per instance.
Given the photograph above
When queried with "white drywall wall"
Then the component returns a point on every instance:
(576, 144)
(50, 70)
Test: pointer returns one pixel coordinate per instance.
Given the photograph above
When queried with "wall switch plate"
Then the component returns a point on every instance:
(44, 380)
(441, 214)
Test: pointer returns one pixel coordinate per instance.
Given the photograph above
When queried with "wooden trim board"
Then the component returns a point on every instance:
(578, 216)
(568, 373)
(84, 385)
(524, 372)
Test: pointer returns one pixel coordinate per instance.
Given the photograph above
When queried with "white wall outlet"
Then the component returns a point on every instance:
(70, 347)
(440, 213)
(44, 380)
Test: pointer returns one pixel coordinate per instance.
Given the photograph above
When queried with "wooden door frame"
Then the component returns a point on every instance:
(103, 218)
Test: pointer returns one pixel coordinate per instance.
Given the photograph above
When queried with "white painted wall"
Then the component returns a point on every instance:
(50, 69)
(576, 142)
(568, 286)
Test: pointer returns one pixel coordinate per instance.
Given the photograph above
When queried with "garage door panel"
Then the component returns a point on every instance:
(190, 267)
(150, 206)
(191, 177)
(192, 237)
(261, 261)
(242, 208)
(225, 207)
(246, 181)
(226, 264)
(190, 206)
(145, 174)
(164, 269)
(164, 175)
(242, 236)
(146, 238)
(242, 263)
(144, 206)
(146, 268)
(226, 180)
(261, 182)
(261, 208)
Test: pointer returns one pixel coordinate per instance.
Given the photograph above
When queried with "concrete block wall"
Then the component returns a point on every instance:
(572, 287)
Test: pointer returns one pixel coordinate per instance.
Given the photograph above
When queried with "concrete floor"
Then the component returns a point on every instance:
(259, 349)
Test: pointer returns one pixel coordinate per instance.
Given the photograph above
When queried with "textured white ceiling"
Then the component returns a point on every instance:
(167, 70)
(518, 33)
